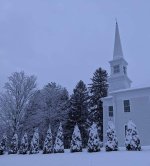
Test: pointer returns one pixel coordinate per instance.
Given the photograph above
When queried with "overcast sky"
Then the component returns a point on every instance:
(67, 40)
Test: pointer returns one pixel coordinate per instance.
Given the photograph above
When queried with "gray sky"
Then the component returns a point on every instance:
(67, 40)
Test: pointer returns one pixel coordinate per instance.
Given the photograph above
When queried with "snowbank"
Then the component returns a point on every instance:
(120, 158)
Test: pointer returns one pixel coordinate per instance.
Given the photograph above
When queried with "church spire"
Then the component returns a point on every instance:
(117, 46)
(118, 78)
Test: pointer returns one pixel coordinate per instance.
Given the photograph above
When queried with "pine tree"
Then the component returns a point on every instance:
(94, 140)
(48, 143)
(112, 142)
(3, 144)
(14, 145)
(59, 142)
(98, 89)
(78, 112)
(132, 140)
(34, 147)
(76, 142)
(24, 145)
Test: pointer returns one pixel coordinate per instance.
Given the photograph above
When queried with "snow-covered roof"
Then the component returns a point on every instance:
(130, 89)
(106, 98)
(110, 96)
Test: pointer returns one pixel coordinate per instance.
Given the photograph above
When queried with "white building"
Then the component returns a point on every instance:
(124, 103)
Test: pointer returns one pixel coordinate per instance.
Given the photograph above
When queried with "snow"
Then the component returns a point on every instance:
(123, 158)
(129, 89)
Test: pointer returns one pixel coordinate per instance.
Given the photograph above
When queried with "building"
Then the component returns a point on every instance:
(124, 103)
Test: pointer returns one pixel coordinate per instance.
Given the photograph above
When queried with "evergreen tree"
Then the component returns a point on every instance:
(94, 140)
(14, 145)
(48, 143)
(34, 147)
(59, 142)
(78, 112)
(3, 144)
(112, 142)
(76, 142)
(24, 145)
(132, 140)
(98, 89)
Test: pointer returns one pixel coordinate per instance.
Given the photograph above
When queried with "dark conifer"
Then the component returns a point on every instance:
(98, 89)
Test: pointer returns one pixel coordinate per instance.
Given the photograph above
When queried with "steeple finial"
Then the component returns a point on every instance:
(117, 46)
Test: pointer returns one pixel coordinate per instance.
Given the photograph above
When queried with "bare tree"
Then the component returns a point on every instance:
(48, 106)
(13, 102)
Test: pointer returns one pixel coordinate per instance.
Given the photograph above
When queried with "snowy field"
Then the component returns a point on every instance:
(120, 158)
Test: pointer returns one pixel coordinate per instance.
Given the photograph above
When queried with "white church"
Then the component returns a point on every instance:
(124, 103)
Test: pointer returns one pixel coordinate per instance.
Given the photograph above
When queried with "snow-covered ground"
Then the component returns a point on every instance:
(120, 158)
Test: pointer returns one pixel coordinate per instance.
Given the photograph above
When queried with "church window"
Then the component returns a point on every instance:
(110, 111)
(125, 130)
(124, 70)
(116, 69)
(126, 106)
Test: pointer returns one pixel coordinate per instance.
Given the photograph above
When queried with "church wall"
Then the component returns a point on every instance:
(139, 114)
(106, 104)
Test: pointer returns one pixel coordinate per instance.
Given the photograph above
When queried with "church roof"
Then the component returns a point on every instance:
(130, 89)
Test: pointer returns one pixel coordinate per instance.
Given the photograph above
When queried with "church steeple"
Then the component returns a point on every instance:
(118, 78)
(117, 46)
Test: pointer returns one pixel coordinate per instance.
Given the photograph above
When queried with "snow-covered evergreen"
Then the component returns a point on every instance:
(34, 147)
(24, 145)
(3, 144)
(48, 143)
(59, 142)
(94, 140)
(13, 149)
(112, 142)
(132, 140)
(76, 142)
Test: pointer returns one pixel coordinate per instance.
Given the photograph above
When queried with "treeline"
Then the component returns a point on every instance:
(24, 108)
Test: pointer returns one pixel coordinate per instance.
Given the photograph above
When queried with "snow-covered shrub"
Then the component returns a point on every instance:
(48, 143)
(13, 149)
(132, 140)
(112, 142)
(24, 145)
(94, 140)
(59, 142)
(3, 144)
(34, 147)
(76, 142)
